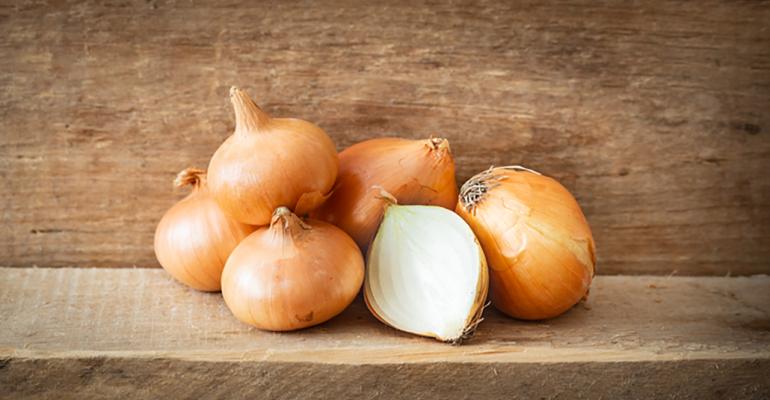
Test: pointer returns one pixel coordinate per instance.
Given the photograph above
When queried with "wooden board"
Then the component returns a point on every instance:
(655, 115)
(108, 332)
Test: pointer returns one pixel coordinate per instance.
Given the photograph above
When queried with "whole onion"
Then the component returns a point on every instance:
(292, 274)
(195, 237)
(415, 172)
(538, 244)
(271, 162)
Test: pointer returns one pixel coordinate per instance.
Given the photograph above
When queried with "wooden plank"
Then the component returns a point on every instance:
(103, 332)
(86, 378)
(654, 114)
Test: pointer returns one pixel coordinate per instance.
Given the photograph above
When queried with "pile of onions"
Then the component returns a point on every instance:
(280, 222)
(195, 237)
(271, 162)
(537, 242)
(426, 273)
(292, 274)
(417, 172)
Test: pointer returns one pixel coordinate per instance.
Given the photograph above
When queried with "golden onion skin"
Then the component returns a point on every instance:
(271, 162)
(195, 237)
(292, 274)
(415, 172)
(538, 244)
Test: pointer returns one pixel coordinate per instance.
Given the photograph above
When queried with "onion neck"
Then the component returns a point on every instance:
(194, 177)
(288, 222)
(438, 147)
(438, 143)
(248, 116)
(384, 195)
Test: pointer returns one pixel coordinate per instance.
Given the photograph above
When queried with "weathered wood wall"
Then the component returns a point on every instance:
(655, 114)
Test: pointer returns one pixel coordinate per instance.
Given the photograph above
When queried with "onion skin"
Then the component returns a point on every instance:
(292, 274)
(538, 244)
(415, 172)
(195, 237)
(271, 162)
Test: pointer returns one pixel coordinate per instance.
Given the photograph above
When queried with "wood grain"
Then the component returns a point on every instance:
(160, 377)
(102, 332)
(655, 114)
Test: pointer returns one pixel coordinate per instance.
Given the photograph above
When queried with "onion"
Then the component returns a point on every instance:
(417, 172)
(292, 274)
(271, 162)
(426, 273)
(195, 237)
(538, 243)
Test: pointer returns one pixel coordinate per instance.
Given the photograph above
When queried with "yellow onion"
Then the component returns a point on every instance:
(292, 274)
(416, 172)
(195, 237)
(426, 273)
(537, 242)
(271, 162)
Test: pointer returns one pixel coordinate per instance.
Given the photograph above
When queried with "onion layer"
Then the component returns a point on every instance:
(271, 162)
(426, 273)
(538, 243)
(417, 172)
(292, 274)
(195, 237)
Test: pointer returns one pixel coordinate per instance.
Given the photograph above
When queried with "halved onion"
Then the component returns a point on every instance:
(426, 273)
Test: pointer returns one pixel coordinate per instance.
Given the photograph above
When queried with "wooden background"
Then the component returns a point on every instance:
(655, 114)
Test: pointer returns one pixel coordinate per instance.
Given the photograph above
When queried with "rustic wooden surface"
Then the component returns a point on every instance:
(654, 114)
(101, 331)
(136, 378)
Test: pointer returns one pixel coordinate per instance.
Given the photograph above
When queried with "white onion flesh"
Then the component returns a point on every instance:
(426, 273)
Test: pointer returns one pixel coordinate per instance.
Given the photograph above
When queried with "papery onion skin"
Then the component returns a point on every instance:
(271, 162)
(415, 172)
(538, 244)
(292, 274)
(195, 237)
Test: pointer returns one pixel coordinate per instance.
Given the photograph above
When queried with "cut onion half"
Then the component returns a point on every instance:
(426, 273)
